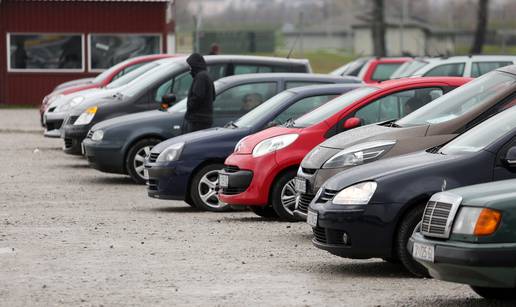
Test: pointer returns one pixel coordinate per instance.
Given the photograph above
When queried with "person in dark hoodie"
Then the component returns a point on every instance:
(199, 111)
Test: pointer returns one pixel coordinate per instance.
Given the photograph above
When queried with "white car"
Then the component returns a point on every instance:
(463, 66)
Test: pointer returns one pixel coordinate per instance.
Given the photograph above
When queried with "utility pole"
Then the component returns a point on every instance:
(403, 20)
(301, 34)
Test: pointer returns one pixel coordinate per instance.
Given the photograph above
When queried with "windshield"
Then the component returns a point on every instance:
(407, 69)
(132, 75)
(330, 108)
(482, 135)
(264, 110)
(146, 80)
(461, 100)
(109, 71)
(350, 69)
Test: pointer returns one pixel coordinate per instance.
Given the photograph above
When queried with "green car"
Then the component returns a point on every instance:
(468, 236)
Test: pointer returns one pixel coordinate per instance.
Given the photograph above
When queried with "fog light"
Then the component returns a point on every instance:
(345, 239)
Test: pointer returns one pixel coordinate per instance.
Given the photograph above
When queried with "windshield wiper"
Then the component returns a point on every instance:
(289, 123)
(435, 149)
(231, 124)
(118, 95)
(390, 123)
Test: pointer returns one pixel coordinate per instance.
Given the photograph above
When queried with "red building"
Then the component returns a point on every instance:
(47, 42)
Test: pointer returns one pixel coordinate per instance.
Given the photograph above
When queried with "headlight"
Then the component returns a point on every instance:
(237, 146)
(171, 153)
(86, 116)
(273, 144)
(68, 105)
(98, 135)
(358, 194)
(476, 221)
(359, 154)
(54, 98)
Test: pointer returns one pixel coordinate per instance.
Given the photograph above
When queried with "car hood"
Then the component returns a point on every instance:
(395, 166)
(139, 119)
(96, 98)
(488, 194)
(320, 154)
(212, 135)
(249, 142)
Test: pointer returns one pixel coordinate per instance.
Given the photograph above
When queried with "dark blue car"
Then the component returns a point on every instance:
(186, 167)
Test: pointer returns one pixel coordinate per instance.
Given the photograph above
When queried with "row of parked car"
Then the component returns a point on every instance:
(372, 165)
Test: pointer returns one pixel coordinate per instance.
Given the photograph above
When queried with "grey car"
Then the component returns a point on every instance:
(434, 124)
(127, 140)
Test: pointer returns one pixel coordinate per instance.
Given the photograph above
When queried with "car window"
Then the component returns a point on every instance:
(470, 96)
(123, 80)
(264, 69)
(245, 69)
(449, 70)
(292, 84)
(217, 71)
(127, 70)
(163, 89)
(480, 68)
(301, 107)
(384, 71)
(397, 105)
(181, 85)
(245, 97)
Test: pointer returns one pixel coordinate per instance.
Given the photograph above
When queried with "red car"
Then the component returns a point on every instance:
(380, 69)
(261, 171)
(101, 80)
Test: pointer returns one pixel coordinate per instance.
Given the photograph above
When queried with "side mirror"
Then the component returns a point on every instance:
(167, 100)
(510, 157)
(352, 122)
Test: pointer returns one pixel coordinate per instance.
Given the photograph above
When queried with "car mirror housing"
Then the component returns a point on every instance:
(510, 157)
(351, 123)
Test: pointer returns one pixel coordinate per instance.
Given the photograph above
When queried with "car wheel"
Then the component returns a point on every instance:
(405, 230)
(136, 157)
(266, 211)
(283, 196)
(495, 293)
(203, 190)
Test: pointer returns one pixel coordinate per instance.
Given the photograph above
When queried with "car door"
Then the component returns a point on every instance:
(235, 101)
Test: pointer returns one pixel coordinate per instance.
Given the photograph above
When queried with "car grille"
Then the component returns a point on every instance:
(90, 134)
(320, 234)
(52, 125)
(152, 184)
(71, 120)
(153, 157)
(231, 168)
(309, 171)
(327, 195)
(303, 202)
(435, 219)
(232, 191)
(68, 143)
(52, 109)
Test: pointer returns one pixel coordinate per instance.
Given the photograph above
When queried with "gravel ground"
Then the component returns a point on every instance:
(70, 235)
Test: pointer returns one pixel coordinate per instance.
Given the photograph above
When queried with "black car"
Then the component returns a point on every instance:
(372, 210)
(192, 175)
(145, 92)
(120, 145)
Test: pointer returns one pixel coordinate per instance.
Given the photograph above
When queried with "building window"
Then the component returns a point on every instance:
(30, 52)
(106, 50)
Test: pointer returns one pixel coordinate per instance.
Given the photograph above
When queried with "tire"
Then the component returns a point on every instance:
(266, 212)
(136, 157)
(405, 230)
(283, 196)
(495, 293)
(203, 189)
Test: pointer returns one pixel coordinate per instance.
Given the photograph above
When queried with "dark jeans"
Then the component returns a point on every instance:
(191, 126)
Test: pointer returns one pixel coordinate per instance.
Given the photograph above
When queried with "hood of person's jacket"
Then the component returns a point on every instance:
(196, 62)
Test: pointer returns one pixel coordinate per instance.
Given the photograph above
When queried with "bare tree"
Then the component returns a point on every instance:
(378, 28)
(480, 33)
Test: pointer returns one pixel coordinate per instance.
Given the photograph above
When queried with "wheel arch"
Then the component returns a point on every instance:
(208, 161)
(293, 167)
(136, 140)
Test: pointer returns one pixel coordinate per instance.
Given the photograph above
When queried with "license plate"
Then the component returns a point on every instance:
(223, 181)
(423, 252)
(311, 219)
(300, 185)
(82, 149)
(145, 173)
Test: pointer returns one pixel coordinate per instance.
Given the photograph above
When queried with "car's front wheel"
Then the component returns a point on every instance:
(405, 231)
(283, 196)
(136, 157)
(203, 190)
(495, 293)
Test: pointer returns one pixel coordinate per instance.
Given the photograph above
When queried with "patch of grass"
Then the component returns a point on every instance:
(322, 61)
(17, 106)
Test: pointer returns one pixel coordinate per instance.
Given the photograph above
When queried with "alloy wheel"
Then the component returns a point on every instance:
(139, 159)
(207, 189)
(288, 196)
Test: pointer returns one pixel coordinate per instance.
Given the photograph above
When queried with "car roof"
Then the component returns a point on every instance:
(318, 88)
(289, 76)
(418, 80)
(255, 59)
(511, 69)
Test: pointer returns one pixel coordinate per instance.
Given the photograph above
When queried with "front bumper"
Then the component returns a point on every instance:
(53, 123)
(476, 264)
(250, 179)
(170, 180)
(105, 156)
(358, 232)
(73, 137)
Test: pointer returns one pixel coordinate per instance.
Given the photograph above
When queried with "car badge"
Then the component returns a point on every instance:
(443, 186)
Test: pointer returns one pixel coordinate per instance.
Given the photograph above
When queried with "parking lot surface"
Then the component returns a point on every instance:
(70, 235)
